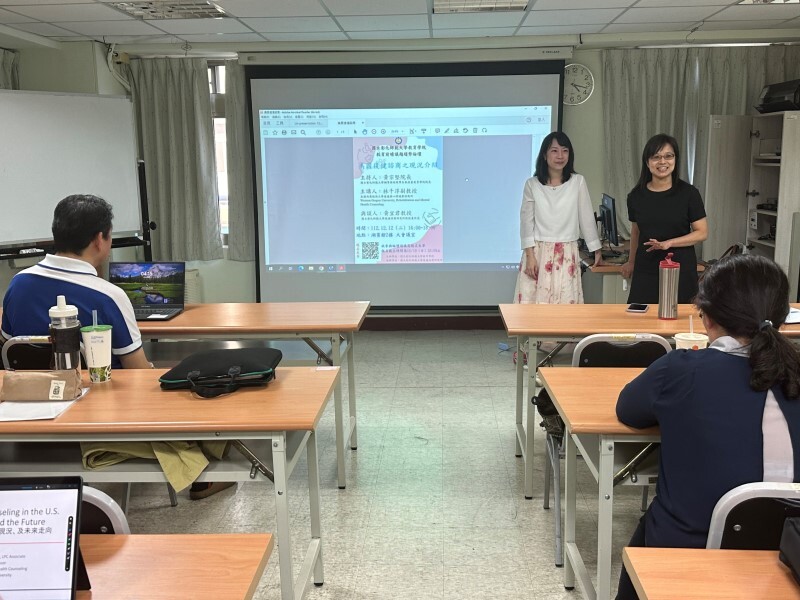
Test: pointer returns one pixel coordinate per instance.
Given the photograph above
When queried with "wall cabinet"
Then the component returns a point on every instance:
(753, 187)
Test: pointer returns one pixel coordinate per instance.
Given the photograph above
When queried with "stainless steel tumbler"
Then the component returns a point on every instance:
(668, 271)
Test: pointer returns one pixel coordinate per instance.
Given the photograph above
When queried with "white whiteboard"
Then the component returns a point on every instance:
(54, 145)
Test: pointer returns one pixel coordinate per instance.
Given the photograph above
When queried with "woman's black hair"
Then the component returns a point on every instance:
(651, 148)
(748, 296)
(541, 173)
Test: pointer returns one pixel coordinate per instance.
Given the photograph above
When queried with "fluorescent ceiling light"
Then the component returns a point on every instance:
(171, 9)
(462, 6)
(769, 1)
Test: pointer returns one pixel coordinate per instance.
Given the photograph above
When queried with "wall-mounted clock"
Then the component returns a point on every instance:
(578, 84)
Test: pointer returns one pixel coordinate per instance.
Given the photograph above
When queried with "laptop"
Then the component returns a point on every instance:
(156, 289)
(39, 521)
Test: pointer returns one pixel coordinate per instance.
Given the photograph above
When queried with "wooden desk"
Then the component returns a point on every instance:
(335, 321)
(532, 323)
(132, 407)
(586, 399)
(164, 567)
(669, 573)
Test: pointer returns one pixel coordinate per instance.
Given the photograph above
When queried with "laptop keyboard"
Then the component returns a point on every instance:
(143, 312)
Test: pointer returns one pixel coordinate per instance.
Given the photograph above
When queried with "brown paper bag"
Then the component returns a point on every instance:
(40, 386)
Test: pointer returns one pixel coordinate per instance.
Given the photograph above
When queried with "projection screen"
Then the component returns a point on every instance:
(398, 184)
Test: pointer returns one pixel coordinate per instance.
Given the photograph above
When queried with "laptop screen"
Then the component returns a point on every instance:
(39, 523)
(156, 284)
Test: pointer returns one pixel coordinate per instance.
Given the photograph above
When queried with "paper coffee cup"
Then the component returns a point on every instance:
(691, 341)
(97, 347)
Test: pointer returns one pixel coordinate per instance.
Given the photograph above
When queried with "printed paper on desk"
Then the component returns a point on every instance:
(793, 317)
(35, 411)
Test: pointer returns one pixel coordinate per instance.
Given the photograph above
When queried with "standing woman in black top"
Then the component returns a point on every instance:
(666, 215)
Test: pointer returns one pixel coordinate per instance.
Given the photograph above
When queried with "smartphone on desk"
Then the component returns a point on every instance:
(637, 308)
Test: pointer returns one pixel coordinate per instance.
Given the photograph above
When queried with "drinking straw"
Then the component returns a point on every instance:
(691, 324)
(94, 318)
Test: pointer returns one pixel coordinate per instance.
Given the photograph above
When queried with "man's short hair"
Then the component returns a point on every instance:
(77, 219)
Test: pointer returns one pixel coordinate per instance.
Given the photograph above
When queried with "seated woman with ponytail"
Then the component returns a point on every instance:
(729, 414)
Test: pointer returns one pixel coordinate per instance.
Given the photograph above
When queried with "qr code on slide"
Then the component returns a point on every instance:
(369, 250)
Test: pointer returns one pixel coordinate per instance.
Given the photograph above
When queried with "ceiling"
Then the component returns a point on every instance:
(250, 23)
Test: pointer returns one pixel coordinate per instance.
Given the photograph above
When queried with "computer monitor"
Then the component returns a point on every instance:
(608, 220)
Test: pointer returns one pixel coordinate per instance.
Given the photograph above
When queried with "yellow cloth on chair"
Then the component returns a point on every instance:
(182, 462)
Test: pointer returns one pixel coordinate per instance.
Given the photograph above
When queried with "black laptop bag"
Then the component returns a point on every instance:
(212, 373)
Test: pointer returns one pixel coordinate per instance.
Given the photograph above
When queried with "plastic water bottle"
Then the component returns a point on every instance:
(668, 273)
(65, 332)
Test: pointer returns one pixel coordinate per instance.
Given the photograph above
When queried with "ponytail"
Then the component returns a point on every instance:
(774, 360)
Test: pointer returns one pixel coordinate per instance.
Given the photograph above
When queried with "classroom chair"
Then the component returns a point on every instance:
(751, 516)
(100, 514)
(601, 350)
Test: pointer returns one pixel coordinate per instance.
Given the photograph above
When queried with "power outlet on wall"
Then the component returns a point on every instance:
(753, 219)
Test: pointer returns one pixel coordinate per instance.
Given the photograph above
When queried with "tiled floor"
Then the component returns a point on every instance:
(433, 506)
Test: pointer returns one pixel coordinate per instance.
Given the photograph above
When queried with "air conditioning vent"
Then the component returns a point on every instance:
(171, 9)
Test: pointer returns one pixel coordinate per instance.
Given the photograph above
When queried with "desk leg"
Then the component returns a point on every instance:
(282, 509)
(313, 498)
(336, 355)
(605, 513)
(531, 420)
(520, 397)
(570, 494)
(351, 389)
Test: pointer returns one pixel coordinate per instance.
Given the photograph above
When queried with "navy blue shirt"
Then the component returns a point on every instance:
(711, 437)
(33, 291)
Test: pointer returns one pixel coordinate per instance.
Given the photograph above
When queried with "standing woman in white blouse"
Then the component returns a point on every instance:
(556, 211)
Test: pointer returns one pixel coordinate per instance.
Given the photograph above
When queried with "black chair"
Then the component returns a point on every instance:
(751, 516)
(601, 350)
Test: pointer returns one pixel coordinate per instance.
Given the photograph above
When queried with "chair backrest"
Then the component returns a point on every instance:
(30, 352)
(751, 516)
(619, 350)
(100, 514)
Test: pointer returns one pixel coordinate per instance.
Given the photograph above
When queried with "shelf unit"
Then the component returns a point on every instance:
(753, 160)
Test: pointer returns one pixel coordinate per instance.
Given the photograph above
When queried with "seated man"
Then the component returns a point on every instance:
(82, 243)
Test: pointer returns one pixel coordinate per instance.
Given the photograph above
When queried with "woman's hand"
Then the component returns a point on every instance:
(627, 270)
(656, 245)
(598, 259)
(531, 265)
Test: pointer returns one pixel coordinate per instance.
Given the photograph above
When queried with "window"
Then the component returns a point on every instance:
(216, 82)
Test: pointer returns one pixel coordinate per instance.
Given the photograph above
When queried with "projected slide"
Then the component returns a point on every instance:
(397, 188)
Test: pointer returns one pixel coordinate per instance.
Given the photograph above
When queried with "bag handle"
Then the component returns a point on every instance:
(214, 390)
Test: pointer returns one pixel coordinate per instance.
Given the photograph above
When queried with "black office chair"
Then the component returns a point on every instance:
(751, 516)
(600, 350)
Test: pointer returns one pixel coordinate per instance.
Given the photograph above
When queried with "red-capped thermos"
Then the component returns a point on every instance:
(668, 271)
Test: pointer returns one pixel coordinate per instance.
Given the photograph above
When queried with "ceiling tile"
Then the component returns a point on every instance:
(140, 39)
(794, 24)
(401, 34)
(383, 22)
(288, 25)
(559, 29)
(272, 8)
(44, 29)
(314, 36)
(37, 2)
(675, 3)
(766, 12)
(647, 27)
(54, 13)
(199, 26)
(572, 4)
(222, 38)
(477, 20)
(7, 17)
(485, 32)
(660, 15)
(571, 17)
(377, 7)
(101, 28)
(733, 25)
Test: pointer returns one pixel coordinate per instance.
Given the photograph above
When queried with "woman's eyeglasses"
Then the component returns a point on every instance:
(659, 157)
